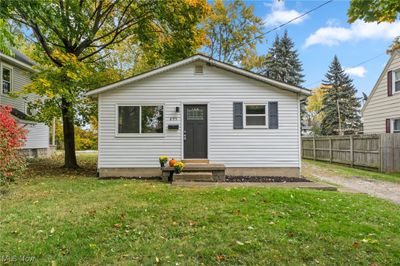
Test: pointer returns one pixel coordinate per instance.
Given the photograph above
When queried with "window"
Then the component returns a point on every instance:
(396, 81)
(255, 115)
(396, 125)
(6, 76)
(140, 119)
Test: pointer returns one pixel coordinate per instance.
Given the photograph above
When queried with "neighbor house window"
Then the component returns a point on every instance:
(6, 77)
(396, 81)
(140, 119)
(396, 125)
(255, 115)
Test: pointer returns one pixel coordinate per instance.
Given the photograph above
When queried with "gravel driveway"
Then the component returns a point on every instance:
(381, 189)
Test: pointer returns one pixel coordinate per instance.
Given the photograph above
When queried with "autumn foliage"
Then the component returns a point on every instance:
(12, 137)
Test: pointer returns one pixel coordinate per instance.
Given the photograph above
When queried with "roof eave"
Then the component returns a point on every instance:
(16, 62)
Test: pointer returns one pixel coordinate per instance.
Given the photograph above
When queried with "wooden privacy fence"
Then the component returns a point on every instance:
(378, 151)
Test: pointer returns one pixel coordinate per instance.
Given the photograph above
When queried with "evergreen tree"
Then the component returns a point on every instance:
(340, 104)
(282, 62)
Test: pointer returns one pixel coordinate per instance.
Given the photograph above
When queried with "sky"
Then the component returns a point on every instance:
(324, 33)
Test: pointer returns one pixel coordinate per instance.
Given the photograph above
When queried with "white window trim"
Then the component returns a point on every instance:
(392, 124)
(3, 65)
(140, 134)
(394, 81)
(245, 115)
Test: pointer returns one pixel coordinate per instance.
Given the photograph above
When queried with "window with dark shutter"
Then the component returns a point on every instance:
(389, 83)
(237, 115)
(273, 122)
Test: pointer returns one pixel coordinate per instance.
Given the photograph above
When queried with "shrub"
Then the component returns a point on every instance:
(12, 137)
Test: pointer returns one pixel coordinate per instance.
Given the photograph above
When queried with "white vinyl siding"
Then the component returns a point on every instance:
(20, 78)
(258, 147)
(37, 136)
(381, 106)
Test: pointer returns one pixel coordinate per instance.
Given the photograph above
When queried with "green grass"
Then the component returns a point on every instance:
(345, 171)
(70, 217)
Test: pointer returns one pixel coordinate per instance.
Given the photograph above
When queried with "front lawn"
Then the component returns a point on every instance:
(342, 170)
(69, 218)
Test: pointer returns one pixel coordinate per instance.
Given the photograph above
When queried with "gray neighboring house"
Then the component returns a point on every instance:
(381, 112)
(15, 73)
(201, 111)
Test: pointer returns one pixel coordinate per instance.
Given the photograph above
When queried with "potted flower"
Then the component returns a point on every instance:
(163, 160)
(178, 166)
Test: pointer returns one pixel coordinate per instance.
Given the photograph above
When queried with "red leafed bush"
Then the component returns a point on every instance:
(12, 137)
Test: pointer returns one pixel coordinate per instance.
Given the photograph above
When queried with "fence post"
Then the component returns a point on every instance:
(351, 151)
(314, 152)
(330, 150)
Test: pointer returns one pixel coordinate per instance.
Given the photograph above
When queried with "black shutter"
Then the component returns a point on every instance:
(389, 83)
(237, 115)
(388, 129)
(273, 115)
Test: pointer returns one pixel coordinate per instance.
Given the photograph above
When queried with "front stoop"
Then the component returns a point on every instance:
(196, 172)
(194, 176)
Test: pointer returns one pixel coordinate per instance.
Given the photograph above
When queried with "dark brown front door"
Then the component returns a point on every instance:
(195, 132)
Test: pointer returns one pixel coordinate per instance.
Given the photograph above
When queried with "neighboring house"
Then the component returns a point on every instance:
(199, 109)
(381, 112)
(15, 73)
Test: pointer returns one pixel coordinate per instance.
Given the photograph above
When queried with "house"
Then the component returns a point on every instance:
(15, 73)
(381, 112)
(199, 110)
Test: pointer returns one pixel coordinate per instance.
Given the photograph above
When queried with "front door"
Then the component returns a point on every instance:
(195, 131)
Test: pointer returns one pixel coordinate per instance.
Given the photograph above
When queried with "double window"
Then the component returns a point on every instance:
(255, 115)
(6, 77)
(396, 81)
(140, 119)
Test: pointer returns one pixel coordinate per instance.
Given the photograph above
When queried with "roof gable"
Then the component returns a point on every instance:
(381, 76)
(209, 61)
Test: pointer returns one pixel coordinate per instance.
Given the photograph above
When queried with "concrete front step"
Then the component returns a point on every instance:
(194, 176)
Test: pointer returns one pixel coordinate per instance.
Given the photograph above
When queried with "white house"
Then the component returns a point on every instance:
(199, 109)
(15, 73)
(381, 112)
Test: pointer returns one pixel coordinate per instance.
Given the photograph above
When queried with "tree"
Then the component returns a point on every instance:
(282, 62)
(314, 115)
(375, 11)
(6, 38)
(340, 105)
(232, 32)
(77, 35)
(12, 137)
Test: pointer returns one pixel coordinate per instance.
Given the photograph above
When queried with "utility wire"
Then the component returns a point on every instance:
(300, 16)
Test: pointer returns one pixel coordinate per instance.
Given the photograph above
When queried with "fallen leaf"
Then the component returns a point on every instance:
(118, 226)
(237, 212)
(220, 258)
(192, 223)
(356, 244)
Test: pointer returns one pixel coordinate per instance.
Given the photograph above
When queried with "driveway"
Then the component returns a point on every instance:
(381, 189)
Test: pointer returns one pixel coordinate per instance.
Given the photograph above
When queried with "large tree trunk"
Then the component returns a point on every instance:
(69, 135)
